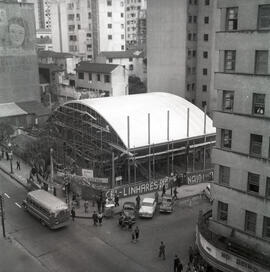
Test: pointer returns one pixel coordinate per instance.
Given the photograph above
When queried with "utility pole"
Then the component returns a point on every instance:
(51, 165)
(2, 215)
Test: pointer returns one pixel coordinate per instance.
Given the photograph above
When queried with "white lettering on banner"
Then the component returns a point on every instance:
(198, 177)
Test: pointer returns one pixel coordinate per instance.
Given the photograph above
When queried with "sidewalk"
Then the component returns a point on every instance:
(184, 192)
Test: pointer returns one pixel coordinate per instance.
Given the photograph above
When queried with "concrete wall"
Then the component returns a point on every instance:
(166, 46)
(19, 79)
(119, 81)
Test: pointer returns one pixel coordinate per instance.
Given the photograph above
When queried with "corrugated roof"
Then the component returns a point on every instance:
(48, 53)
(33, 107)
(86, 66)
(116, 109)
(134, 53)
(10, 109)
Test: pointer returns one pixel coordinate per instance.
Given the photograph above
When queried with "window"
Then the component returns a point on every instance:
(206, 2)
(130, 59)
(206, 20)
(109, 37)
(107, 78)
(194, 36)
(89, 76)
(122, 47)
(190, 2)
(264, 17)
(204, 88)
(190, 19)
(189, 36)
(258, 104)
(71, 6)
(71, 28)
(224, 175)
(255, 144)
(79, 27)
(130, 67)
(266, 227)
(195, 2)
(227, 101)
(188, 70)
(78, 17)
(88, 3)
(222, 212)
(267, 188)
(205, 37)
(110, 60)
(194, 53)
(229, 61)
(122, 15)
(253, 182)
(250, 222)
(188, 85)
(89, 15)
(204, 104)
(98, 77)
(109, 25)
(205, 54)
(194, 19)
(109, 2)
(261, 62)
(71, 17)
(73, 38)
(81, 75)
(193, 70)
(231, 19)
(109, 14)
(88, 35)
(89, 47)
(193, 86)
(204, 71)
(189, 53)
(226, 138)
(122, 36)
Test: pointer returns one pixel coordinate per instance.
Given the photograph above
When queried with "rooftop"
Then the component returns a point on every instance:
(48, 53)
(132, 53)
(86, 66)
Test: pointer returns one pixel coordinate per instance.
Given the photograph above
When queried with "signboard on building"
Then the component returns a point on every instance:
(139, 188)
(200, 176)
(88, 173)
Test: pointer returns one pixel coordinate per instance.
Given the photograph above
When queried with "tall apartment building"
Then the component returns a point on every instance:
(179, 48)
(133, 14)
(236, 237)
(86, 27)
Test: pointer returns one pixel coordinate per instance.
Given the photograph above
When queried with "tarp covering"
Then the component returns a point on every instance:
(10, 109)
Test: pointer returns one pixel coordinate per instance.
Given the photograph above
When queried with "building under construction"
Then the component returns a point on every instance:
(129, 139)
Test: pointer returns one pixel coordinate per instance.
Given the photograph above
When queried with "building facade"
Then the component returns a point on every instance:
(179, 48)
(134, 9)
(102, 79)
(87, 27)
(240, 221)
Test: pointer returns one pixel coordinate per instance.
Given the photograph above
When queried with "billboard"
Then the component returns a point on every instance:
(18, 60)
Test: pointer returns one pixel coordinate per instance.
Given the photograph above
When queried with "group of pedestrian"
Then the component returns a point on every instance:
(196, 263)
(97, 218)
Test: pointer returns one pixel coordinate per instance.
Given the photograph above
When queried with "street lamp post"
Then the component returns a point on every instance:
(10, 156)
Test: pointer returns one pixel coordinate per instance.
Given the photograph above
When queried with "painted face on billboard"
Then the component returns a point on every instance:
(16, 35)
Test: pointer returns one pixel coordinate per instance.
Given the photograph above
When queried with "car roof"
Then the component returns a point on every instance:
(148, 200)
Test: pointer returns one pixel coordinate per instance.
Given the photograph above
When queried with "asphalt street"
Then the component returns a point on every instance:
(84, 247)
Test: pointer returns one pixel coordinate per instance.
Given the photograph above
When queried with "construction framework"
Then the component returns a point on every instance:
(93, 143)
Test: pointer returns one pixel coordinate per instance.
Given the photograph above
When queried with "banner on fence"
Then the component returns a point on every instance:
(199, 176)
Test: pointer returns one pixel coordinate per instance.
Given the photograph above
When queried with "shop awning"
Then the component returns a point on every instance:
(10, 109)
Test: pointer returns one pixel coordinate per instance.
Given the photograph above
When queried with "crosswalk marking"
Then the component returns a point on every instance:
(6, 195)
(18, 205)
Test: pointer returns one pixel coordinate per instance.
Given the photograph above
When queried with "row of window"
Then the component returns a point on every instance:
(110, 26)
(232, 18)
(193, 53)
(250, 219)
(193, 37)
(258, 102)
(133, 1)
(111, 36)
(261, 61)
(107, 78)
(109, 3)
(133, 8)
(195, 2)
(193, 19)
(109, 14)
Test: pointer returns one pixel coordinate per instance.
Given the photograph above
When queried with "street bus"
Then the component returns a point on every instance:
(50, 210)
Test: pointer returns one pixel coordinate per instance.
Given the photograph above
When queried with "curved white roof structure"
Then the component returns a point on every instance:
(116, 109)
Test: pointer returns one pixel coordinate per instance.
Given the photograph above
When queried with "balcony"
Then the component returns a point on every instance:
(225, 253)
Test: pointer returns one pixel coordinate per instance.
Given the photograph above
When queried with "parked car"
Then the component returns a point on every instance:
(148, 207)
(207, 193)
(128, 214)
(167, 204)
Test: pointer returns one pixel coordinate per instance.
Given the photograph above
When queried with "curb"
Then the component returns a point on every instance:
(13, 177)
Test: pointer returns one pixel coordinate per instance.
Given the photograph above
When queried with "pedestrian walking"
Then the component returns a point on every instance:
(7, 156)
(176, 262)
(73, 214)
(163, 190)
(133, 235)
(86, 205)
(18, 165)
(95, 218)
(100, 217)
(156, 196)
(116, 200)
(175, 193)
(162, 250)
(138, 201)
(190, 254)
(137, 233)
(3, 153)
(180, 267)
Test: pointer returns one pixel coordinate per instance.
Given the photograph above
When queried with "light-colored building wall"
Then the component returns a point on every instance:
(166, 46)
(242, 121)
(119, 81)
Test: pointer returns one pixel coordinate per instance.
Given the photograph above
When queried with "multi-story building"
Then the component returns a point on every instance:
(133, 8)
(237, 235)
(86, 27)
(141, 29)
(179, 48)
(102, 79)
(132, 60)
